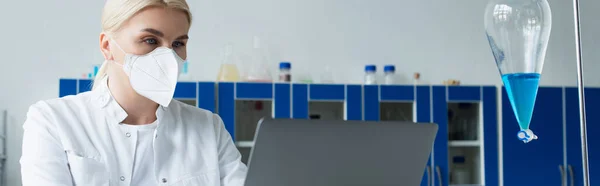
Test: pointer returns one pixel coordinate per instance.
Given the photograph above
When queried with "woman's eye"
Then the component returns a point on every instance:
(151, 41)
(177, 44)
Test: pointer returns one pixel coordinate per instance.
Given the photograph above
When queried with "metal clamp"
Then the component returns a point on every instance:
(572, 176)
(562, 175)
(439, 174)
(429, 175)
(526, 135)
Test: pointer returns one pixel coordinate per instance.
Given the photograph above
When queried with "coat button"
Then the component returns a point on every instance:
(122, 178)
(103, 99)
(128, 134)
(164, 180)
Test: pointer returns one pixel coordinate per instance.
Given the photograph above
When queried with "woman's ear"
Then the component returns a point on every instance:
(105, 46)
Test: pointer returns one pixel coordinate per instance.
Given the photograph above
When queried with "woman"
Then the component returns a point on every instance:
(128, 130)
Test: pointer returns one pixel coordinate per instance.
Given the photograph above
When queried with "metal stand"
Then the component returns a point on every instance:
(580, 88)
(3, 154)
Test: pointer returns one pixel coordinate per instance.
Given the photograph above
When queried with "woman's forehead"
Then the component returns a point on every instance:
(170, 22)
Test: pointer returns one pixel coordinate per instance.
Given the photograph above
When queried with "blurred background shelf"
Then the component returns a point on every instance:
(468, 149)
(464, 143)
(244, 144)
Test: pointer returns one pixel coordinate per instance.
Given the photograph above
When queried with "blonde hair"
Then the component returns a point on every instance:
(117, 12)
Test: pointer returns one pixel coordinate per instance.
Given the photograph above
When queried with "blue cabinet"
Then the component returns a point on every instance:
(417, 97)
(478, 106)
(186, 90)
(424, 104)
(206, 96)
(67, 87)
(556, 157)
(282, 101)
(73, 86)
(300, 101)
(229, 95)
(440, 148)
(574, 175)
(327, 101)
(538, 162)
(354, 102)
(490, 135)
(85, 85)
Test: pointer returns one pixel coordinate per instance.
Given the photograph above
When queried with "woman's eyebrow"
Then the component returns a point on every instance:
(153, 31)
(183, 37)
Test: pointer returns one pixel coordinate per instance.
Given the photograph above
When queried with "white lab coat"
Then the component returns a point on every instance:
(76, 140)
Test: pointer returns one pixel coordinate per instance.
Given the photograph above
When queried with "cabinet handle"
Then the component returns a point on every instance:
(571, 175)
(562, 175)
(428, 175)
(439, 174)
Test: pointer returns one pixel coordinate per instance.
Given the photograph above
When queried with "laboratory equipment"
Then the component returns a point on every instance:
(229, 71)
(304, 78)
(96, 68)
(580, 91)
(460, 171)
(518, 33)
(451, 82)
(370, 76)
(390, 74)
(524, 26)
(285, 74)
(91, 73)
(416, 78)
(3, 154)
(184, 75)
(259, 71)
(326, 76)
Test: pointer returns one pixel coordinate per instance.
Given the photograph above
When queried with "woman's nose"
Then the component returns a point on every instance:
(168, 45)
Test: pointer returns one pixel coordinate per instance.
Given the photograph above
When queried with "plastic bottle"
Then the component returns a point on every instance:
(229, 71)
(370, 76)
(326, 76)
(460, 173)
(416, 78)
(390, 74)
(285, 74)
(96, 68)
(184, 74)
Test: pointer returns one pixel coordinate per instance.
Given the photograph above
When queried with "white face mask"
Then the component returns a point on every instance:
(155, 74)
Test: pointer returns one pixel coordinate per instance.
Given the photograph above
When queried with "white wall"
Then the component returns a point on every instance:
(45, 40)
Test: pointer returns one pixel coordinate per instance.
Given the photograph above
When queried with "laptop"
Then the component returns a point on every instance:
(339, 153)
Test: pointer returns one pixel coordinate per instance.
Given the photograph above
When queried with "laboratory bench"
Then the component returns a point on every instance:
(476, 143)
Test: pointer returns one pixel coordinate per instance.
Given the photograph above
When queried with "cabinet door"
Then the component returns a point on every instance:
(187, 92)
(490, 135)
(536, 162)
(440, 148)
(300, 101)
(67, 87)
(574, 163)
(423, 109)
(354, 102)
(206, 96)
(282, 100)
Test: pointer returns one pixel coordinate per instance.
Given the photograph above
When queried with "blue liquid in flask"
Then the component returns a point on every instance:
(522, 90)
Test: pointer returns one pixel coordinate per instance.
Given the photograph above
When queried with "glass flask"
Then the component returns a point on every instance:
(259, 69)
(518, 33)
(228, 71)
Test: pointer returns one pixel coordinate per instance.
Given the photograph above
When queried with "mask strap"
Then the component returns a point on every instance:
(118, 46)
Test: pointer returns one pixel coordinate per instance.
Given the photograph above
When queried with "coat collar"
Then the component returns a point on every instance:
(104, 99)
